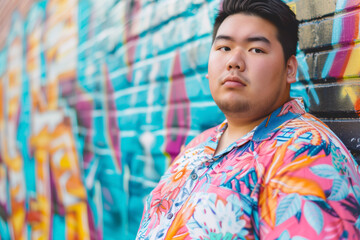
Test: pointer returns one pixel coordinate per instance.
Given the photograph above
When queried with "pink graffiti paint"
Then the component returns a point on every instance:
(178, 115)
(349, 33)
(113, 131)
(84, 107)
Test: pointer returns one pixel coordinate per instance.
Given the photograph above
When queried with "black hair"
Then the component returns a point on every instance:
(274, 11)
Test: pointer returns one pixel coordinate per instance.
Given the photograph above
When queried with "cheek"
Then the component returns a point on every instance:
(216, 62)
(267, 70)
(210, 65)
(212, 85)
(215, 68)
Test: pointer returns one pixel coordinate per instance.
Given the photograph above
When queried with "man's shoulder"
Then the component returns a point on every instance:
(306, 124)
(306, 120)
(308, 129)
(198, 142)
(306, 137)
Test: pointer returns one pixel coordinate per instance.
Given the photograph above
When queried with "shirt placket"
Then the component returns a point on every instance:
(192, 181)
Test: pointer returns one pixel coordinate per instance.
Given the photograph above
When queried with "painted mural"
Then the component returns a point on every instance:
(98, 98)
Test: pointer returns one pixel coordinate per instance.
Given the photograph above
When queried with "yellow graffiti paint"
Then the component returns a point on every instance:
(17, 220)
(349, 91)
(76, 222)
(292, 6)
(353, 68)
(65, 162)
(40, 207)
(14, 164)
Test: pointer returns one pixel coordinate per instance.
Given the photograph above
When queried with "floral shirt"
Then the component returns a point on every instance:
(289, 178)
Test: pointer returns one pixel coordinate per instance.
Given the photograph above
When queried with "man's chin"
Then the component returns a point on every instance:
(234, 107)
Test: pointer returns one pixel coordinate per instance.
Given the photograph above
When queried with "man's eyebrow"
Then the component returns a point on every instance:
(224, 37)
(249, 39)
(258, 39)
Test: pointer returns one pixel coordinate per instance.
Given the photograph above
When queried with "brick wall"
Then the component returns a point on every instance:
(329, 60)
(97, 98)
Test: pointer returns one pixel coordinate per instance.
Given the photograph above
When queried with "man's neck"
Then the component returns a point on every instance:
(234, 131)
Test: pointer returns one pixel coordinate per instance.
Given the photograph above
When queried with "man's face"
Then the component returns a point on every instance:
(247, 74)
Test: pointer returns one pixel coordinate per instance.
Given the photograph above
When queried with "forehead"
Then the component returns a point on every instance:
(244, 25)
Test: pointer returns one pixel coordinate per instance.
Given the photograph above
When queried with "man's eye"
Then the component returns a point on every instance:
(224, 49)
(256, 50)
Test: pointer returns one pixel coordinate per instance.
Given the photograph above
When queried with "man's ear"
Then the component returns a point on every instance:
(291, 69)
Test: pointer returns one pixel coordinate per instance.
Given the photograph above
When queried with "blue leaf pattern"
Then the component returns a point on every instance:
(314, 216)
(339, 190)
(299, 238)
(325, 171)
(357, 223)
(287, 208)
(357, 193)
(298, 216)
(284, 236)
(313, 198)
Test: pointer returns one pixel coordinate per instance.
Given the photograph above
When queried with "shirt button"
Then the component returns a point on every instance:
(194, 176)
(170, 215)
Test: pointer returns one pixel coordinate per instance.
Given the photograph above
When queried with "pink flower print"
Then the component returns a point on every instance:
(160, 206)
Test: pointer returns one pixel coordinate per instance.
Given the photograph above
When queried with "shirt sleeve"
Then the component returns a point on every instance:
(310, 190)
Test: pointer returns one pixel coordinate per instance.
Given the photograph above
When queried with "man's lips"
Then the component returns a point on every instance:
(233, 81)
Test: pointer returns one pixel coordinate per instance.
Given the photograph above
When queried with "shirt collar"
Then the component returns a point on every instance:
(266, 129)
(290, 110)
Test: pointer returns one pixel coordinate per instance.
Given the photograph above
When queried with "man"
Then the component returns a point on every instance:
(270, 171)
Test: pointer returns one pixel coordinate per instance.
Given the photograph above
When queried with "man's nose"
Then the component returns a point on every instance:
(236, 62)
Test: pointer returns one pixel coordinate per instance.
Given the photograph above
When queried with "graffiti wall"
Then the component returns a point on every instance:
(329, 58)
(98, 97)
